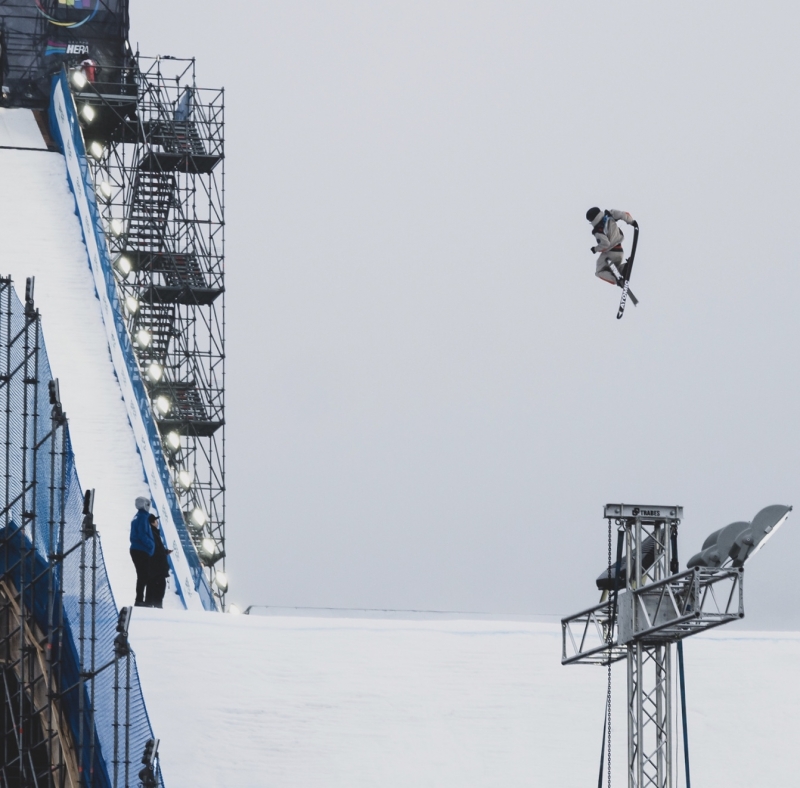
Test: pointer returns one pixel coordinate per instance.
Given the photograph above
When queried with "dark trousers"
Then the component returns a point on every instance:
(142, 563)
(156, 588)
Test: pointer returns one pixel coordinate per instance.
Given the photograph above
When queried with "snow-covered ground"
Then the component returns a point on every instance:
(280, 701)
(41, 237)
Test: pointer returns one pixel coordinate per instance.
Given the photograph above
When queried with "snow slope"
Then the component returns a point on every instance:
(18, 129)
(41, 237)
(273, 701)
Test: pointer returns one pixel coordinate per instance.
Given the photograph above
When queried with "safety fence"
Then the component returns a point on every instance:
(72, 711)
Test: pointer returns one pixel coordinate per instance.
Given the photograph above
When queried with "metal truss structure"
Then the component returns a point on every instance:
(156, 143)
(52, 655)
(656, 607)
(649, 715)
(37, 38)
(23, 36)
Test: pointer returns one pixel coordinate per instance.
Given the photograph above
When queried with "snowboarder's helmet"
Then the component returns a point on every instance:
(592, 214)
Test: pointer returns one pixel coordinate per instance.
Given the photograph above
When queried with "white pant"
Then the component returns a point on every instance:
(602, 270)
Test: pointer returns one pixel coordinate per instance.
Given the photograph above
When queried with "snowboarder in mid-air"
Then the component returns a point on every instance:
(609, 237)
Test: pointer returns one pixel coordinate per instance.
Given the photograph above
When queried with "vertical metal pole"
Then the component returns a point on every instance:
(55, 587)
(62, 521)
(51, 591)
(649, 671)
(26, 419)
(668, 712)
(639, 706)
(33, 722)
(6, 655)
(82, 663)
(127, 720)
(683, 716)
(658, 666)
(116, 722)
(27, 672)
(93, 654)
(631, 667)
(663, 719)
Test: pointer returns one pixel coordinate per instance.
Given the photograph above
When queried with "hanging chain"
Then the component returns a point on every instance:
(608, 724)
(610, 637)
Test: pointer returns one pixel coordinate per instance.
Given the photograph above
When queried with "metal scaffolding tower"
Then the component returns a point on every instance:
(648, 606)
(156, 145)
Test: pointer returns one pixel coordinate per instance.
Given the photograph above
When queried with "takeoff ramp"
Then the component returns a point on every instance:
(40, 236)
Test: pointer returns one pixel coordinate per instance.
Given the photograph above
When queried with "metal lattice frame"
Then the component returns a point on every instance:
(158, 167)
(656, 607)
(35, 741)
(48, 669)
(27, 34)
(649, 716)
(22, 46)
(649, 674)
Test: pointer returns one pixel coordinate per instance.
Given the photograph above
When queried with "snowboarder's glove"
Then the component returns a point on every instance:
(593, 249)
(636, 224)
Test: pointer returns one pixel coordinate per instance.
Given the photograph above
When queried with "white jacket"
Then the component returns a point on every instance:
(606, 231)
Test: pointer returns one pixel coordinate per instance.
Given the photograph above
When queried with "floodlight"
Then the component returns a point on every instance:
(147, 776)
(163, 405)
(185, 479)
(121, 645)
(155, 371)
(150, 751)
(173, 440)
(87, 524)
(96, 149)
(221, 581)
(208, 552)
(79, 79)
(105, 189)
(738, 542)
(124, 265)
(116, 226)
(716, 548)
(87, 113)
(143, 337)
(131, 304)
(605, 582)
(763, 528)
(198, 517)
(54, 393)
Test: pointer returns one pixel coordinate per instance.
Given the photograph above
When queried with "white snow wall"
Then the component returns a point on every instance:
(191, 581)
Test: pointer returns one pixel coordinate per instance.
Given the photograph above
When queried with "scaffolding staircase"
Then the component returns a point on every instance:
(153, 197)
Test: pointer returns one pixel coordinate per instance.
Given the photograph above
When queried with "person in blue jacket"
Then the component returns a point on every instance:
(143, 546)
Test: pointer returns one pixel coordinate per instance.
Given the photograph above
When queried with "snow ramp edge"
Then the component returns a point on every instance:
(65, 128)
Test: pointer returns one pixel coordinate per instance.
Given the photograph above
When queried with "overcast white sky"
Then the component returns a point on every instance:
(429, 397)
